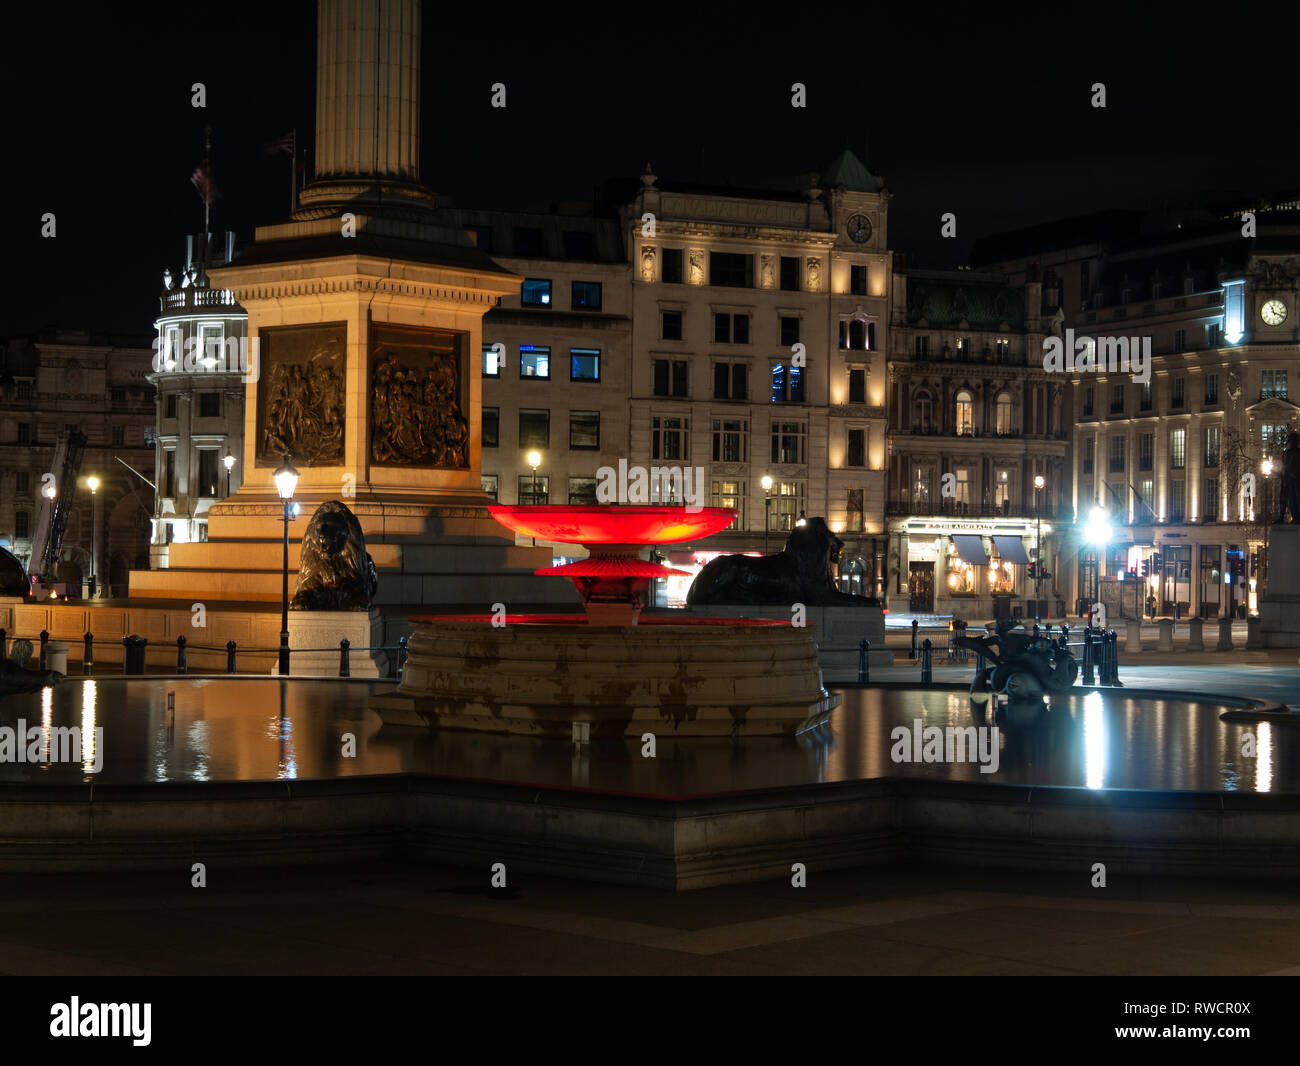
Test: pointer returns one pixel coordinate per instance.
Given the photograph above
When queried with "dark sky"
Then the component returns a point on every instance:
(979, 109)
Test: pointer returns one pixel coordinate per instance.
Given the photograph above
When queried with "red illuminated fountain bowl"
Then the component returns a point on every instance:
(612, 523)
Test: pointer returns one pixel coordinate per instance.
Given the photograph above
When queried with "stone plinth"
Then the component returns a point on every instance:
(318, 633)
(1279, 609)
(538, 676)
(838, 632)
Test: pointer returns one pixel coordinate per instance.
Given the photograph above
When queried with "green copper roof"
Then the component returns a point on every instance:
(848, 170)
(943, 303)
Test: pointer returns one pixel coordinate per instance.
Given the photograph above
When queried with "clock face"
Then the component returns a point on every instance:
(1273, 312)
(859, 229)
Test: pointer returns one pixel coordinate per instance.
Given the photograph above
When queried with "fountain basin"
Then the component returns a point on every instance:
(539, 674)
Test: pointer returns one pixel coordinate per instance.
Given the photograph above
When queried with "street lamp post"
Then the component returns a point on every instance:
(93, 484)
(533, 459)
(228, 461)
(1265, 468)
(286, 481)
(767, 508)
(1098, 533)
(1039, 482)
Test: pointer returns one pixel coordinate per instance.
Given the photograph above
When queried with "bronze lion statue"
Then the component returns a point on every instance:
(336, 573)
(799, 573)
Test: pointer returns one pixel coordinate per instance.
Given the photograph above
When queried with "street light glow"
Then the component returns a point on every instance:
(93, 483)
(1098, 530)
(1039, 481)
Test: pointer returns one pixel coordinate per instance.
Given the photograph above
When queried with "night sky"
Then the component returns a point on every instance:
(975, 109)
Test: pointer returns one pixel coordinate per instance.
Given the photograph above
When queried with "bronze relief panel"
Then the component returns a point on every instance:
(300, 400)
(419, 397)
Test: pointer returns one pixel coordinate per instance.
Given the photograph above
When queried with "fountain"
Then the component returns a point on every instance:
(609, 671)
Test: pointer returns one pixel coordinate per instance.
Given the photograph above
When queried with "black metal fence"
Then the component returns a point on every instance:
(134, 649)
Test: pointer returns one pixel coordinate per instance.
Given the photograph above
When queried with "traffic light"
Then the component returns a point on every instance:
(1155, 563)
(1144, 570)
(1032, 570)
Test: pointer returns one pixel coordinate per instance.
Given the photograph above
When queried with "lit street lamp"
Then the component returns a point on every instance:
(286, 481)
(93, 484)
(1097, 532)
(767, 508)
(228, 461)
(1039, 482)
(534, 460)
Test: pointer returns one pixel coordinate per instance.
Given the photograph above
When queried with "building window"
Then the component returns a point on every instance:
(921, 346)
(1087, 455)
(1211, 388)
(1212, 499)
(1177, 499)
(209, 405)
(857, 334)
(119, 436)
(1002, 490)
(1146, 450)
(1180, 341)
(961, 490)
(491, 484)
(1144, 404)
(790, 273)
(1178, 449)
(731, 269)
(1177, 398)
(787, 504)
(582, 490)
(924, 413)
(22, 524)
(731, 329)
(732, 496)
(482, 238)
(117, 395)
(730, 381)
(1211, 445)
(670, 325)
(584, 430)
(491, 427)
(730, 440)
(670, 377)
(528, 241)
(1005, 423)
(853, 511)
(169, 473)
(170, 407)
(856, 453)
(858, 280)
(584, 364)
(24, 433)
(789, 440)
(22, 482)
(672, 266)
(1087, 402)
(534, 361)
(209, 461)
(534, 429)
(1272, 439)
(1273, 385)
(1003, 350)
(965, 414)
(587, 295)
(668, 437)
(536, 292)
(789, 331)
(534, 489)
(1212, 335)
(1146, 490)
(1117, 399)
(922, 488)
(787, 384)
(857, 386)
(1118, 447)
(493, 359)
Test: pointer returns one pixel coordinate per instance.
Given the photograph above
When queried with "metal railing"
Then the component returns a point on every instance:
(134, 649)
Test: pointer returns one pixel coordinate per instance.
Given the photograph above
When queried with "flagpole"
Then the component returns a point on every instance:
(207, 166)
(293, 175)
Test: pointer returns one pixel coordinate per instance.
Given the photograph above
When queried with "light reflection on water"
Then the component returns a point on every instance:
(267, 730)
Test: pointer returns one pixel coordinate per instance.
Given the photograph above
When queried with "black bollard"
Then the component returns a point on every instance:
(1114, 659)
(4, 638)
(230, 656)
(916, 626)
(1035, 630)
(344, 669)
(180, 654)
(1088, 664)
(927, 675)
(401, 656)
(88, 655)
(864, 661)
(45, 639)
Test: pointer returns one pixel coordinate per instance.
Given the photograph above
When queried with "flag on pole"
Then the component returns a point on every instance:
(202, 181)
(285, 144)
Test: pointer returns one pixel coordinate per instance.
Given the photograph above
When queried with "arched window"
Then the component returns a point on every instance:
(1004, 414)
(924, 407)
(965, 414)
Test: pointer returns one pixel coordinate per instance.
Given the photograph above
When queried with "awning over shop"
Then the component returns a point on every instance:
(1012, 549)
(970, 548)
